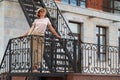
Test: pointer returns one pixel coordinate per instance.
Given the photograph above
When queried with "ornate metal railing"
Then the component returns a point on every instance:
(4, 67)
(95, 62)
(22, 52)
(17, 58)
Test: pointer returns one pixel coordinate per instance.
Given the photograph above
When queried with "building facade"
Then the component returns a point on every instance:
(96, 22)
(89, 21)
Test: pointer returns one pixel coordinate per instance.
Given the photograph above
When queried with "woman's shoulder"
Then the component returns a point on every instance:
(36, 19)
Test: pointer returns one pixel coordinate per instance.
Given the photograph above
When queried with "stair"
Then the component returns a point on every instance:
(58, 59)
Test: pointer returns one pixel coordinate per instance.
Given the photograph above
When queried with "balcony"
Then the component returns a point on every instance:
(86, 58)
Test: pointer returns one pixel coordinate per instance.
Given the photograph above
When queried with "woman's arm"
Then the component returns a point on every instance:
(28, 32)
(53, 31)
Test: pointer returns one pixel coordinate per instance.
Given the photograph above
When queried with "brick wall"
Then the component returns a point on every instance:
(58, 0)
(95, 4)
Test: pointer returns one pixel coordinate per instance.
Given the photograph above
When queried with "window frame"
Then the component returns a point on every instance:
(101, 48)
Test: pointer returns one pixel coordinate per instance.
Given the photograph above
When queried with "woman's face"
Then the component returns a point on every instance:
(42, 13)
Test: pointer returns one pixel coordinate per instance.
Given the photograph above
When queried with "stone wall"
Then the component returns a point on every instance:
(12, 22)
(1, 29)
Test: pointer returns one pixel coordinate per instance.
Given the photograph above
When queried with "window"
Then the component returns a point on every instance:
(76, 29)
(81, 3)
(101, 43)
(65, 1)
(111, 6)
(73, 2)
(117, 6)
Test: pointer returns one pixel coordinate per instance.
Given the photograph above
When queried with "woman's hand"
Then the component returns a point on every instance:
(59, 37)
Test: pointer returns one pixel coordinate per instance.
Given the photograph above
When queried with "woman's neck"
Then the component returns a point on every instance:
(42, 17)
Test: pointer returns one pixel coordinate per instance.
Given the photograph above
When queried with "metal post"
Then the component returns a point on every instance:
(10, 62)
(31, 50)
(75, 58)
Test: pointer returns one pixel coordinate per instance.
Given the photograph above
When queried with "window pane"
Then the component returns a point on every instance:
(73, 2)
(65, 1)
(75, 28)
(82, 3)
(102, 40)
(102, 31)
(107, 5)
(97, 30)
(119, 33)
(117, 6)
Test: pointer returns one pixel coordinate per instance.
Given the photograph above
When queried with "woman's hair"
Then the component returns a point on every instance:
(40, 10)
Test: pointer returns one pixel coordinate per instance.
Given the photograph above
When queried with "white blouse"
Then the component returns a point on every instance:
(41, 24)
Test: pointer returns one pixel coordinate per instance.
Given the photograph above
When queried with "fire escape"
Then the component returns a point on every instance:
(59, 55)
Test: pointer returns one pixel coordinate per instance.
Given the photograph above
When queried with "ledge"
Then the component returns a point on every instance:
(89, 12)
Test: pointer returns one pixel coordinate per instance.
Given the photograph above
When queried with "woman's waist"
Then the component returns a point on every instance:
(37, 33)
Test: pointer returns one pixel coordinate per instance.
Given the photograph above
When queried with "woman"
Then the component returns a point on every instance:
(38, 28)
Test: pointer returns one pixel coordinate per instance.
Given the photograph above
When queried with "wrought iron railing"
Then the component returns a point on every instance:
(21, 53)
(18, 58)
(92, 61)
(4, 67)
